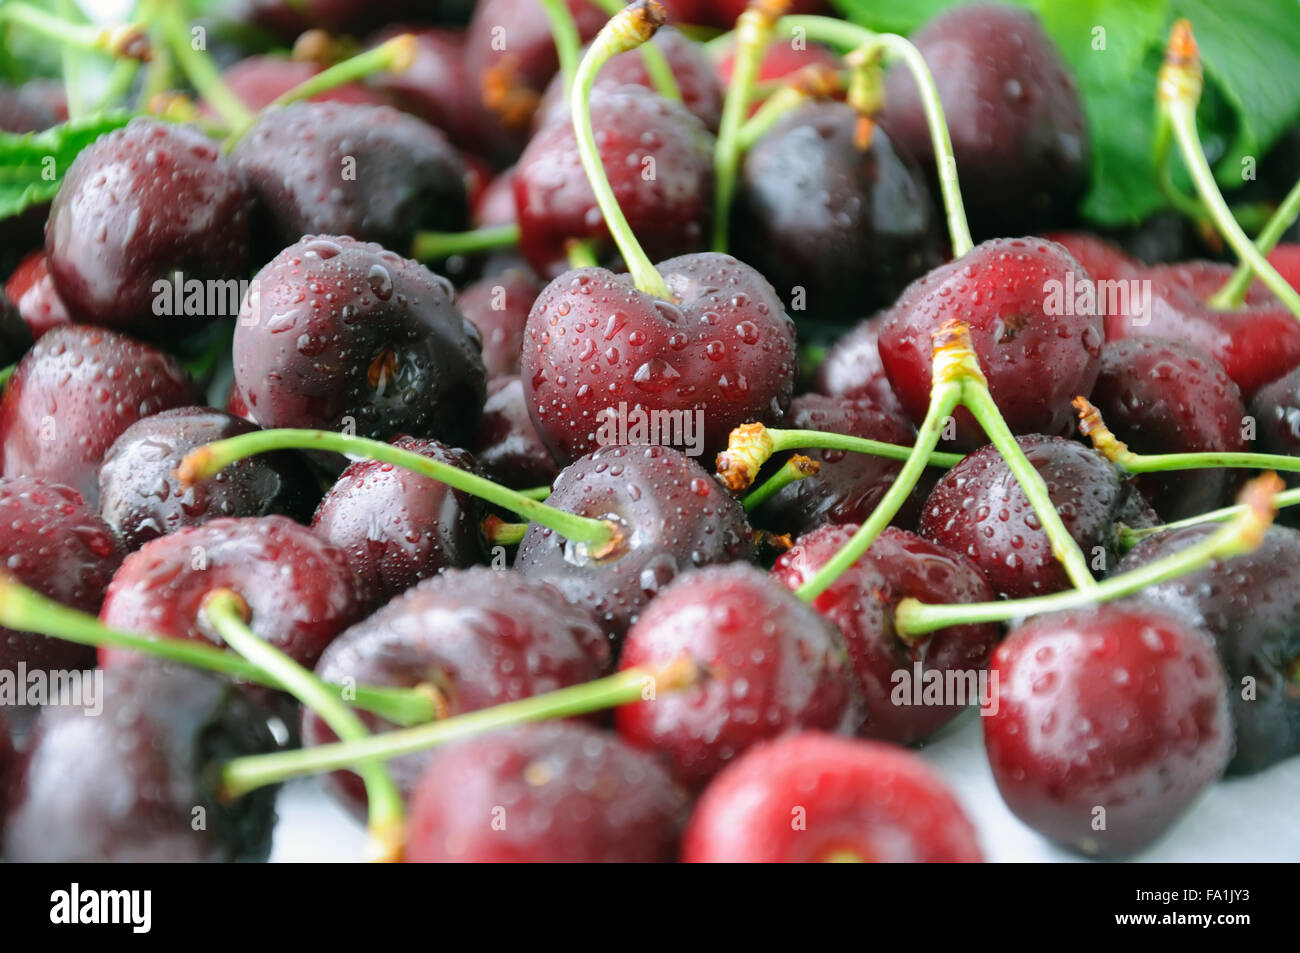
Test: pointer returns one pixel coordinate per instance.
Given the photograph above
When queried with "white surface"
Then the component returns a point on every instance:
(1239, 819)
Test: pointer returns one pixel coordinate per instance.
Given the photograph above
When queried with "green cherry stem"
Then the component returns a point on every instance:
(1232, 294)
(581, 253)
(199, 68)
(6, 373)
(392, 56)
(26, 610)
(631, 27)
(913, 618)
(437, 246)
(227, 613)
(536, 492)
(1178, 93)
(565, 34)
(797, 468)
(953, 361)
(500, 533)
(1130, 536)
(599, 537)
(754, 31)
(630, 685)
(867, 44)
(119, 40)
(656, 63)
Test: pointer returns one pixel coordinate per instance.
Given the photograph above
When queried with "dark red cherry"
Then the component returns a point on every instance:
(299, 588)
(288, 18)
(396, 527)
(1019, 297)
(548, 793)
(1249, 604)
(1110, 722)
(848, 486)
(508, 448)
(1275, 408)
(978, 509)
(138, 782)
(498, 306)
(260, 80)
(481, 637)
(724, 13)
(496, 203)
(370, 172)
(23, 109)
(770, 665)
(32, 291)
(136, 206)
(1018, 129)
(892, 673)
(53, 543)
(596, 350)
(673, 515)
(841, 228)
(340, 334)
(1101, 259)
(812, 798)
(141, 498)
(659, 160)
(1168, 397)
(74, 393)
(436, 86)
(853, 368)
(1286, 259)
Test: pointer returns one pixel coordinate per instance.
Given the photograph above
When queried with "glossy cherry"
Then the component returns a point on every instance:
(1110, 722)
(1037, 351)
(672, 514)
(861, 605)
(436, 86)
(74, 393)
(548, 793)
(811, 797)
(508, 448)
(32, 291)
(719, 355)
(771, 665)
(853, 368)
(480, 637)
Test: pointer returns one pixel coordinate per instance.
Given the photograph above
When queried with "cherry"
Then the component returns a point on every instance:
(672, 515)
(15, 335)
(1167, 397)
(722, 353)
(337, 333)
(496, 203)
(141, 498)
(847, 486)
(436, 86)
(1101, 259)
(32, 291)
(771, 665)
(853, 368)
(692, 70)
(856, 800)
(1286, 259)
(498, 306)
(1018, 129)
(129, 786)
(978, 509)
(551, 793)
(1248, 604)
(136, 206)
(1276, 411)
(861, 604)
(508, 448)
(369, 172)
(480, 637)
(74, 393)
(1037, 356)
(260, 80)
(815, 210)
(396, 527)
(23, 109)
(1110, 722)
(299, 588)
(55, 544)
(659, 158)
(780, 60)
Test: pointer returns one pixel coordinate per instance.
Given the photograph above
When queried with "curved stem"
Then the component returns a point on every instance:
(1130, 536)
(121, 40)
(565, 34)
(753, 33)
(392, 56)
(1178, 93)
(634, 684)
(797, 468)
(913, 618)
(1232, 294)
(436, 246)
(656, 63)
(599, 536)
(629, 29)
(1165, 462)
(26, 610)
(199, 68)
(227, 613)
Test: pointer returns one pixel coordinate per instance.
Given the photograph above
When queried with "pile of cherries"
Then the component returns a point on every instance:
(408, 482)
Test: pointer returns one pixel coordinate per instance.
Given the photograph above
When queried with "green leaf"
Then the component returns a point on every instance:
(1251, 52)
(32, 165)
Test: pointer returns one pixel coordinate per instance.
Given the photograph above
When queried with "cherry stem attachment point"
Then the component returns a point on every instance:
(227, 614)
(656, 63)
(913, 618)
(1177, 93)
(598, 537)
(1232, 294)
(437, 246)
(797, 468)
(630, 685)
(631, 27)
